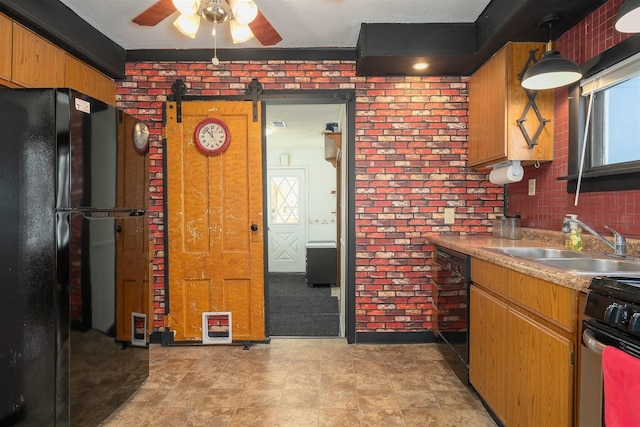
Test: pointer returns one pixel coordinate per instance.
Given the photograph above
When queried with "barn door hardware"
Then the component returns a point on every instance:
(254, 89)
(531, 96)
(179, 89)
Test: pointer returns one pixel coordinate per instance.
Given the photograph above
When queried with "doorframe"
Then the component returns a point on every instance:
(348, 98)
(338, 96)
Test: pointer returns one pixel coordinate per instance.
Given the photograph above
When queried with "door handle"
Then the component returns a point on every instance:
(591, 342)
(254, 227)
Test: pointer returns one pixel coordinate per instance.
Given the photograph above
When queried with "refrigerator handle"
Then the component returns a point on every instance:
(97, 214)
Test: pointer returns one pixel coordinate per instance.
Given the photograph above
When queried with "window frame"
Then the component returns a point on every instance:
(617, 177)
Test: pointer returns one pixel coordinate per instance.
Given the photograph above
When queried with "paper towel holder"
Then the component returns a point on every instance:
(506, 172)
(506, 164)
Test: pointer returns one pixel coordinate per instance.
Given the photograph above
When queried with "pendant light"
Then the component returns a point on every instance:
(628, 20)
(552, 70)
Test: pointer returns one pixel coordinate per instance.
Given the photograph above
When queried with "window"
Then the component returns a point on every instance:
(611, 160)
(285, 200)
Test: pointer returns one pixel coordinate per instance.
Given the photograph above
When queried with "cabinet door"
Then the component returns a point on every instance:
(36, 62)
(487, 111)
(6, 47)
(85, 79)
(539, 375)
(487, 349)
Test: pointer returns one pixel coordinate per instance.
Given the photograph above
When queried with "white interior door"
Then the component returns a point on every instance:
(287, 220)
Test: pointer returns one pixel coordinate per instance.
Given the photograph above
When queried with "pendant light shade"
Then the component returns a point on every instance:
(628, 20)
(550, 72)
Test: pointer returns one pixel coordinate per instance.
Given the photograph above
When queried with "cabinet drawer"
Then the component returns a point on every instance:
(491, 276)
(556, 303)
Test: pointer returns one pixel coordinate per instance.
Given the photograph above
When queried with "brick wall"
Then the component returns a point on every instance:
(411, 136)
(619, 209)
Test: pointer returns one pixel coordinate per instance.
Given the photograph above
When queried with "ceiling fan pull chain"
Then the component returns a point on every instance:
(215, 60)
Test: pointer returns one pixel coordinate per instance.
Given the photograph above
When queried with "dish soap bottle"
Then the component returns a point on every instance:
(573, 236)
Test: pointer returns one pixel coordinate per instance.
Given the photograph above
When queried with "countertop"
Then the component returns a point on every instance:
(476, 246)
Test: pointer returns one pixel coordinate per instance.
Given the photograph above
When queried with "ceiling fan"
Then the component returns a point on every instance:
(245, 19)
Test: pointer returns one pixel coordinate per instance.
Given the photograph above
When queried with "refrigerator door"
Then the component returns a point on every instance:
(97, 371)
(98, 161)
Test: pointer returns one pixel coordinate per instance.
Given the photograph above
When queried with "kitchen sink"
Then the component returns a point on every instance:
(590, 266)
(533, 252)
(581, 263)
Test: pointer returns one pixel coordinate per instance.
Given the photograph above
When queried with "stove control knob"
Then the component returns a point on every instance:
(616, 314)
(634, 323)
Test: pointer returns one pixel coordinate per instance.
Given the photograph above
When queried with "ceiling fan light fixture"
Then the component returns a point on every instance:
(628, 19)
(215, 11)
(244, 11)
(552, 71)
(240, 33)
(187, 7)
(188, 24)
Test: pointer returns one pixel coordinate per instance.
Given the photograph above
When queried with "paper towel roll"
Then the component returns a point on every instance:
(512, 172)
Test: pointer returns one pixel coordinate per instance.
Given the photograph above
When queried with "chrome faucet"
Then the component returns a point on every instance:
(619, 244)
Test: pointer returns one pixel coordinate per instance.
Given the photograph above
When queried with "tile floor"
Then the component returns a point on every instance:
(301, 382)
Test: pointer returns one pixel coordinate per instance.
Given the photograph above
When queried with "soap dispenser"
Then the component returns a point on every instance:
(573, 235)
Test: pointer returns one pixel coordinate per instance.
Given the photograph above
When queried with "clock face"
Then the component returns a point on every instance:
(141, 137)
(212, 136)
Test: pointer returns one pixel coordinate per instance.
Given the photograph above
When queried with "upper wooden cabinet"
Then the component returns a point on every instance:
(6, 47)
(27, 60)
(332, 147)
(497, 103)
(85, 79)
(36, 62)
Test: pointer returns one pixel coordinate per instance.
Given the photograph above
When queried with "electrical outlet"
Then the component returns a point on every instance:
(532, 187)
(449, 215)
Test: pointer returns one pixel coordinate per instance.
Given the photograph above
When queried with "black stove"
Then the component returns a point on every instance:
(615, 302)
(612, 318)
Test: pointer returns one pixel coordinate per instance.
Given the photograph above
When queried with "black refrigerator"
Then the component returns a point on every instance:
(74, 258)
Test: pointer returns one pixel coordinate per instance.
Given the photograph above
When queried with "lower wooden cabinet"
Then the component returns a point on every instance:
(521, 363)
(488, 349)
(539, 374)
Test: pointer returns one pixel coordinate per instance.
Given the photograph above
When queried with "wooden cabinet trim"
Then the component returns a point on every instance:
(29, 60)
(36, 62)
(6, 47)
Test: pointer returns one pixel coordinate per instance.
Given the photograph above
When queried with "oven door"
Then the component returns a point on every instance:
(595, 337)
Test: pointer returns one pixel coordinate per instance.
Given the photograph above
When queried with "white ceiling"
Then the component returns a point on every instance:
(301, 23)
(304, 124)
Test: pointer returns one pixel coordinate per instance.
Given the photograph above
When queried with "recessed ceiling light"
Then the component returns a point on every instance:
(420, 66)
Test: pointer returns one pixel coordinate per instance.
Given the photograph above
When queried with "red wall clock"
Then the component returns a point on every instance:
(212, 136)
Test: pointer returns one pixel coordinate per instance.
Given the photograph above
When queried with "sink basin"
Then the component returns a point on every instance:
(591, 266)
(533, 252)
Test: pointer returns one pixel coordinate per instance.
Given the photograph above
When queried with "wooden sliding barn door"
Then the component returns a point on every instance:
(214, 221)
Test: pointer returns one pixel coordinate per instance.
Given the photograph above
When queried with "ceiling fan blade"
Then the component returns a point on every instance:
(155, 14)
(264, 32)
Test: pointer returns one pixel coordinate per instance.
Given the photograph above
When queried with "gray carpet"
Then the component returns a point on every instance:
(296, 309)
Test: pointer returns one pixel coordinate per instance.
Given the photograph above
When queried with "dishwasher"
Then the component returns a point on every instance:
(451, 279)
